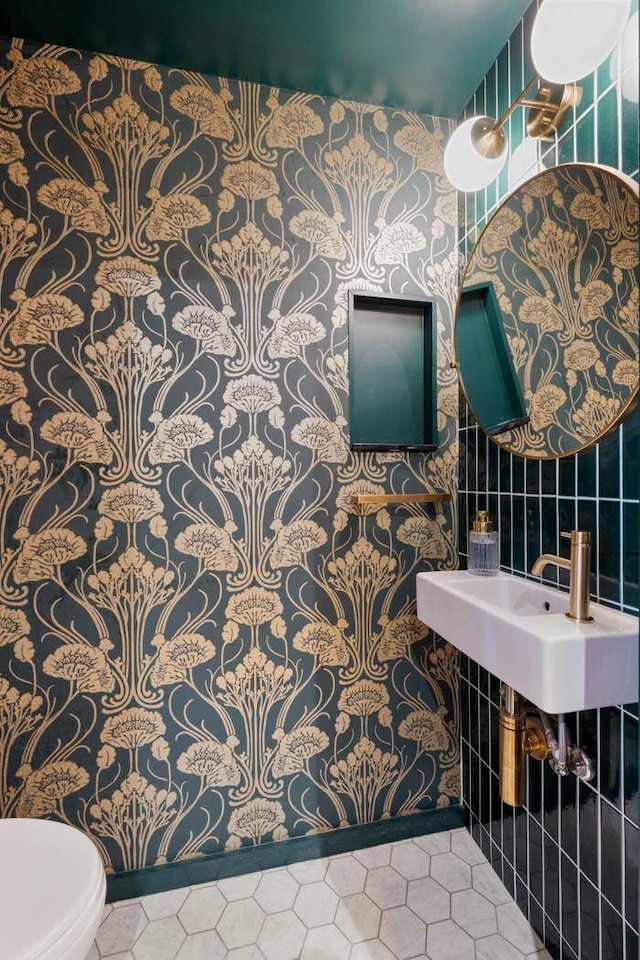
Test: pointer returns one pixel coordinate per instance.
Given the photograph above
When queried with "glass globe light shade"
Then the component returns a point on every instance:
(624, 62)
(570, 38)
(464, 167)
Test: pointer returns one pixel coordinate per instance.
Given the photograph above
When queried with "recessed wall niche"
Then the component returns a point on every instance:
(392, 373)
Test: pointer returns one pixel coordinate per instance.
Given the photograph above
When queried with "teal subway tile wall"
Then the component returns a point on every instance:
(570, 855)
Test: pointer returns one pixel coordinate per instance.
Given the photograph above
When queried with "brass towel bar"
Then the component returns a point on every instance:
(360, 499)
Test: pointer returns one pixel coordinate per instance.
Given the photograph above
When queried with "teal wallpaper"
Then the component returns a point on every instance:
(204, 643)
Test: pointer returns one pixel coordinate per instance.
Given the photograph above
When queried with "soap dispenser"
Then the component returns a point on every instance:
(483, 546)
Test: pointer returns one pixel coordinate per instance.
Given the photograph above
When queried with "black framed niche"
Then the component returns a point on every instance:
(392, 372)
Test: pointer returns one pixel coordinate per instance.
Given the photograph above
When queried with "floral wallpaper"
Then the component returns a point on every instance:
(204, 643)
(562, 253)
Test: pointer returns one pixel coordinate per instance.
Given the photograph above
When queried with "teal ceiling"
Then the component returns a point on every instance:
(425, 55)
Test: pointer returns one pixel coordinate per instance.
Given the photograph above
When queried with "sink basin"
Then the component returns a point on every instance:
(517, 629)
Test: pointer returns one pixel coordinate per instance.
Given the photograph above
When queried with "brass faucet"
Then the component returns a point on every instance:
(578, 567)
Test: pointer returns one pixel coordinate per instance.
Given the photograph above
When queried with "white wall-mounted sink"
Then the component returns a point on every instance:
(517, 629)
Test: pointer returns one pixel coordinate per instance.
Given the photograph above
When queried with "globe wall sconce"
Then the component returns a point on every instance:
(570, 38)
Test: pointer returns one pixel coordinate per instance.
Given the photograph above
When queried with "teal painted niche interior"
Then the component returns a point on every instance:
(392, 373)
(484, 362)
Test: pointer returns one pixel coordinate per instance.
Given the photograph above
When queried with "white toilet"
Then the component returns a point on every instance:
(52, 891)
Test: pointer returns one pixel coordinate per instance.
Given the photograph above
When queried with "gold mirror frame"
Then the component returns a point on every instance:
(563, 263)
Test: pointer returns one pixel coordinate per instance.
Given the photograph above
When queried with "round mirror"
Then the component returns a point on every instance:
(547, 319)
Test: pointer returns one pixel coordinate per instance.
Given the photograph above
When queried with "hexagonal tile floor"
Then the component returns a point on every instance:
(432, 898)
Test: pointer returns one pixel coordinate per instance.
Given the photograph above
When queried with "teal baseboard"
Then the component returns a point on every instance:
(187, 873)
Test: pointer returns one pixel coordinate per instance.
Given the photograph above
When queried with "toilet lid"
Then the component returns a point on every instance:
(50, 874)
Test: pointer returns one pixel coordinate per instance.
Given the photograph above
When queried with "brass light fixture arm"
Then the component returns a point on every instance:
(519, 102)
(546, 113)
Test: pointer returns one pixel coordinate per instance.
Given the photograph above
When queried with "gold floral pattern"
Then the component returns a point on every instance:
(209, 543)
(363, 698)
(200, 103)
(250, 180)
(46, 788)
(257, 819)
(12, 387)
(174, 214)
(325, 641)
(43, 554)
(209, 326)
(291, 123)
(82, 665)
(426, 728)
(10, 147)
(39, 317)
(321, 231)
(204, 642)
(130, 503)
(294, 749)
(37, 79)
(211, 760)
(14, 625)
(132, 728)
(422, 144)
(128, 277)
(79, 433)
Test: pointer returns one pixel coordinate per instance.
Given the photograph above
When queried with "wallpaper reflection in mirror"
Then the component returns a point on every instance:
(562, 254)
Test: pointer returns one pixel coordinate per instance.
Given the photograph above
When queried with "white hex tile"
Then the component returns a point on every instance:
(489, 885)
(434, 843)
(325, 943)
(316, 904)
(241, 923)
(496, 948)
(160, 940)
(446, 941)
(402, 932)
(436, 894)
(473, 913)
(121, 929)
(160, 905)
(371, 950)
(429, 900)
(465, 847)
(514, 926)
(309, 871)
(108, 907)
(282, 936)
(386, 887)
(451, 872)
(246, 953)
(276, 891)
(346, 876)
(358, 918)
(239, 888)
(410, 861)
(372, 857)
(203, 946)
(202, 909)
